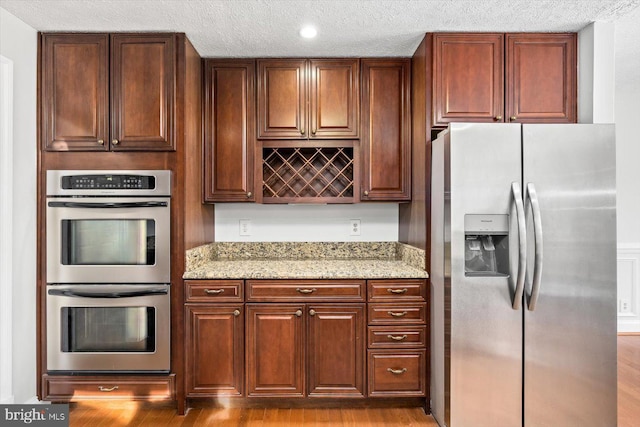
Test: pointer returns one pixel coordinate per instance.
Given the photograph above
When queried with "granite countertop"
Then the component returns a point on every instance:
(303, 260)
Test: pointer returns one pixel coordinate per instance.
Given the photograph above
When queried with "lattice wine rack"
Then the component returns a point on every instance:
(316, 174)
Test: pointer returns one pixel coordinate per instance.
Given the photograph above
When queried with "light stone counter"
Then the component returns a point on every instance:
(292, 260)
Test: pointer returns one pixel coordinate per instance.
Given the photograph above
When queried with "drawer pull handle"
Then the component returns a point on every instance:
(397, 291)
(397, 337)
(306, 290)
(107, 389)
(394, 314)
(214, 291)
(236, 312)
(397, 371)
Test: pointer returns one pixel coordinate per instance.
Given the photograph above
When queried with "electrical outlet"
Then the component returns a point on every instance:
(245, 227)
(354, 227)
(624, 306)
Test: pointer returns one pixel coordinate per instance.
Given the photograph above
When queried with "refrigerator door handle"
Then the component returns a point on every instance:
(532, 197)
(522, 245)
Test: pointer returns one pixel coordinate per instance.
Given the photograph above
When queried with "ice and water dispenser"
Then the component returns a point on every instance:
(486, 245)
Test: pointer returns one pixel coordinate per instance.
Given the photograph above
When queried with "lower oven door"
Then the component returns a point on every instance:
(108, 328)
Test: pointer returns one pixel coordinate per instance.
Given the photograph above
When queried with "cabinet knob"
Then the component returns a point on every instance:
(236, 312)
(299, 313)
(366, 193)
(249, 194)
(115, 142)
(512, 118)
(302, 131)
(312, 312)
(101, 141)
(497, 118)
(313, 131)
(107, 389)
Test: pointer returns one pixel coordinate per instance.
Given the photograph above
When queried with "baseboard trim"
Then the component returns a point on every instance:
(628, 288)
(628, 334)
(6, 400)
(34, 401)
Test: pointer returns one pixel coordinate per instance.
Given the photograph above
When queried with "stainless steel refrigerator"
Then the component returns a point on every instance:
(523, 276)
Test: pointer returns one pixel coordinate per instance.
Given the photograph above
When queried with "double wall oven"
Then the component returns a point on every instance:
(108, 271)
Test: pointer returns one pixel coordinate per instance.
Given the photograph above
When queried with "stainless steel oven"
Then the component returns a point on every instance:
(108, 328)
(108, 226)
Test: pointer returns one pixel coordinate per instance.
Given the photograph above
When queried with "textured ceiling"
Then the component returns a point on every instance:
(263, 28)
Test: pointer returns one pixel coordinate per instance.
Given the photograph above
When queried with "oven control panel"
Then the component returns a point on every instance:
(108, 183)
(104, 181)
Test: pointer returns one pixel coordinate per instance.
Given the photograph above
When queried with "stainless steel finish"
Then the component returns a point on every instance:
(59, 273)
(478, 338)
(570, 339)
(532, 199)
(109, 361)
(163, 183)
(522, 245)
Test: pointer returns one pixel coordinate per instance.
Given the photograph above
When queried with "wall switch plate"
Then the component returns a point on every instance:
(354, 227)
(245, 227)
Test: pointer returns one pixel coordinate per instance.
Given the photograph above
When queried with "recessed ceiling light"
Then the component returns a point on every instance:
(308, 32)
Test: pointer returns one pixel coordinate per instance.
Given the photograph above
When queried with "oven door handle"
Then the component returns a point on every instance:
(108, 205)
(132, 294)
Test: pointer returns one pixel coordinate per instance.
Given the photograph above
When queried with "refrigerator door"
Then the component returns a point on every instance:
(570, 336)
(485, 331)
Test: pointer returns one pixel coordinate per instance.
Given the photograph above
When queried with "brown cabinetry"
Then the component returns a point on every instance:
(229, 130)
(472, 81)
(386, 130)
(129, 387)
(397, 337)
(301, 99)
(214, 338)
(313, 349)
(84, 74)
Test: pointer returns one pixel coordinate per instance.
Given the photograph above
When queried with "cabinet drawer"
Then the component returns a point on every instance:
(396, 373)
(306, 290)
(129, 387)
(213, 290)
(397, 290)
(397, 336)
(401, 314)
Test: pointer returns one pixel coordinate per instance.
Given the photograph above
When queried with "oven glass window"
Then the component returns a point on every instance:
(108, 329)
(108, 242)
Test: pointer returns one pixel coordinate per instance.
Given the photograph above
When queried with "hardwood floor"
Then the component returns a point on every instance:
(116, 414)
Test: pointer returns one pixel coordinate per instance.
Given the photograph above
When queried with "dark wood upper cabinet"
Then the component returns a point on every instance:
(102, 92)
(386, 130)
(468, 78)
(541, 78)
(334, 98)
(301, 99)
(487, 77)
(75, 92)
(229, 130)
(142, 91)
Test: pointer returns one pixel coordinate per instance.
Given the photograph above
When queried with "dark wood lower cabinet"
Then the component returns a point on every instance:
(215, 350)
(126, 387)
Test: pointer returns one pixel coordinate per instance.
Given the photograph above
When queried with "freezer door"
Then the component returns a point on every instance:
(570, 336)
(485, 331)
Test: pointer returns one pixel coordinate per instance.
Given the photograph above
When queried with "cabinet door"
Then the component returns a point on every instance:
(275, 350)
(334, 98)
(336, 350)
(541, 78)
(282, 99)
(214, 347)
(75, 92)
(468, 78)
(386, 130)
(229, 135)
(142, 92)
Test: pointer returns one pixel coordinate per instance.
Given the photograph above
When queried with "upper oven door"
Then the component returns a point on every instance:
(115, 240)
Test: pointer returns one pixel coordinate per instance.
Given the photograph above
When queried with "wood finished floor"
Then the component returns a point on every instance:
(101, 414)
